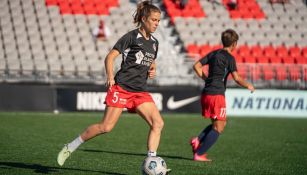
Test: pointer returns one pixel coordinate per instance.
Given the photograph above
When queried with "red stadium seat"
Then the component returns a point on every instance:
(281, 73)
(191, 9)
(282, 51)
(301, 60)
(294, 51)
(256, 51)
(250, 59)
(304, 52)
(243, 71)
(246, 10)
(269, 51)
(268, 72)
(262, 59)
(89, 9)
(244, 51)
(193, 50)
(51, 2)
(288, 60)
(205, 49)
(102, 9)
(295, 73)
(275, 60)
(256, 73)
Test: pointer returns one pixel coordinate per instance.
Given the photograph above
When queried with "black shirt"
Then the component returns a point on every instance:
(221, 63)
(138, 54)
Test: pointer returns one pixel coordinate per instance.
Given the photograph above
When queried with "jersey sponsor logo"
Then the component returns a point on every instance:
(139, 57)
(172, 104)
(145, 60)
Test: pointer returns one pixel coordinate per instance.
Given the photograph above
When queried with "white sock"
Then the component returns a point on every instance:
(72, 146)
(151, 153)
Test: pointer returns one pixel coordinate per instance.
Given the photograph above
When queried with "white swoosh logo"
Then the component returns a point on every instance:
(171, 104)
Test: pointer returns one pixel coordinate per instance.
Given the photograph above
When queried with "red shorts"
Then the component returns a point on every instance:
(213, 106)
(118, 97)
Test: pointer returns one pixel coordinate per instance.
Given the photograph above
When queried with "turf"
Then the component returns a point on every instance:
(30, 142)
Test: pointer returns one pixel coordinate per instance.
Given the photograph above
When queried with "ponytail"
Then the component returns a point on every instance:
(144, 9)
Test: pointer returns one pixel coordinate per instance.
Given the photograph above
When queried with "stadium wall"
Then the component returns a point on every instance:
(181, 99)
(23, 97)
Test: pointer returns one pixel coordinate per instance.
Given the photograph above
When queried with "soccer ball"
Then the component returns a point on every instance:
(154, 165)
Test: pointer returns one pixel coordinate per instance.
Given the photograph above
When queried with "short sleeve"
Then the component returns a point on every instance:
(123, 43)
(206, 58)
(232, 65)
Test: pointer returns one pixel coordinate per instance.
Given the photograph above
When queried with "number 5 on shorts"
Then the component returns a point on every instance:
(115, 97)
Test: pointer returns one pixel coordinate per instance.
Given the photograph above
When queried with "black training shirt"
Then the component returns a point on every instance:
(221, 63)
(138, 54)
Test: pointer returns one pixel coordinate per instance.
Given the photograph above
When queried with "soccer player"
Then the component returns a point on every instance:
(221, 64)
(128, 88)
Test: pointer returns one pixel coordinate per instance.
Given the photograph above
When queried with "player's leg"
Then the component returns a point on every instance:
(195, 141)
(151, 115)
(215, 108)
(210, 139)
(108, 122)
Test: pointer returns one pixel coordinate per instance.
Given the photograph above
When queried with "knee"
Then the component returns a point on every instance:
(220, 128)
(158, 125)
(105, 128)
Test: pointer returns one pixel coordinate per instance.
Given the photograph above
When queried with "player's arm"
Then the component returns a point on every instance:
(198, 68)
(109, 67)
(239, 80)
(152, 70)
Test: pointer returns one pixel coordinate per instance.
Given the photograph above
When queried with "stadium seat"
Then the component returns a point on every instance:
(288, 60)
(256, 51)
(268, 72)
(256, 73)
(295, 73)
(281, 73)
(262, 59)
(301, 60)
(243, 71)
(269, 51)
(294, 52)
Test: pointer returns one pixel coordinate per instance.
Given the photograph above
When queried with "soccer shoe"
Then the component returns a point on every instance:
(63, 155)
(202, 158)
(194, 143)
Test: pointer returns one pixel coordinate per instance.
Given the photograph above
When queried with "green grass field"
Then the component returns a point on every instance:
(249, 146)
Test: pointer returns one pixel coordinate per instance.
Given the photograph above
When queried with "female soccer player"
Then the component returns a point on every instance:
(221, 64)
(128, 88)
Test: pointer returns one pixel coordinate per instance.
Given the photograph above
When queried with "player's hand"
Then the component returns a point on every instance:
(251, 88)
(110, 82)
(152, 73)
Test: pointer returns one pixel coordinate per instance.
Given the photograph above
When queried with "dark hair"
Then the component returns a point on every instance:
(229, 37)
(144, 9)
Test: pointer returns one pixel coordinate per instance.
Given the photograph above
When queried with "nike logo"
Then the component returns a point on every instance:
(171, 104)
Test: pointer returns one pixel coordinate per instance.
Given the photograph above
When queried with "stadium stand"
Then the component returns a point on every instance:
(270, 34)
(50, 41)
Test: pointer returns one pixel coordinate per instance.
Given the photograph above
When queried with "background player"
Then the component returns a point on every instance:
(128, 89)
(221, 63)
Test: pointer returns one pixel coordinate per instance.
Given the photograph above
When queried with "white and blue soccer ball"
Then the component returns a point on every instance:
(154, 165)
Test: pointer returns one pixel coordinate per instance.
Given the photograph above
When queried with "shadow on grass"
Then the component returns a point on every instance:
(134, 154)
(37, 168)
